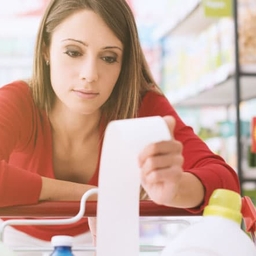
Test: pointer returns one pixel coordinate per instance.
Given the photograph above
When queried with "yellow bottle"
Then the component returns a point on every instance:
(217, 233)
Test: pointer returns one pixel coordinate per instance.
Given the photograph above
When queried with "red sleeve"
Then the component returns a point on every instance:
(17, 186)
(210, 168)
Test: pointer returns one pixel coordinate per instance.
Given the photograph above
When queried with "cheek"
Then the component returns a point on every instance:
(59, 64)
(112, 74)
(59, 79)
(110, 80)
(60, 73)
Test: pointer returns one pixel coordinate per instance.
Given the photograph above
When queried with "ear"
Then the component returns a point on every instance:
(45, 53)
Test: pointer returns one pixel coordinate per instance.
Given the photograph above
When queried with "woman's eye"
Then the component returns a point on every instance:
(109, 59)
(73, 53)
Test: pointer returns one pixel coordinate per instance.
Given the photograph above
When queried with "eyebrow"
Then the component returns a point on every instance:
(85, 44)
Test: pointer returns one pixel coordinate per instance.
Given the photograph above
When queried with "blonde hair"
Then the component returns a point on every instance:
(135, 77)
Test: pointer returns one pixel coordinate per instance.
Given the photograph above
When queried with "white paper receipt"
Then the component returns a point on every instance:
(119, 183)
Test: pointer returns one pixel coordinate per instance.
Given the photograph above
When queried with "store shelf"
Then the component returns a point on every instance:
(220, 92)
(191, 21)
(249, 173)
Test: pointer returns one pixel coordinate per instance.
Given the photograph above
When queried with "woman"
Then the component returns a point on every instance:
(89, 69)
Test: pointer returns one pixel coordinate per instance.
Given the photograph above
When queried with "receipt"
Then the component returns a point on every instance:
(119, 183)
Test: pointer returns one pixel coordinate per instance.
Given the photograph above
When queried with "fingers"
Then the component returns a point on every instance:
(161, 162)
(92, 222)
(170, 174)
(169, 148)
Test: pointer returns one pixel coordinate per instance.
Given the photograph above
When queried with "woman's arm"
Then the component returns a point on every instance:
(59, 190)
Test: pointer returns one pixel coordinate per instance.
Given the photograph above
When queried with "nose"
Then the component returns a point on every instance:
(89, 70)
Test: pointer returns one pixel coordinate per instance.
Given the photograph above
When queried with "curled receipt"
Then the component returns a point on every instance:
(119, 183)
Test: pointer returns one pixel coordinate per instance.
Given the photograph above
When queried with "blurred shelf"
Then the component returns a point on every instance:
(191, 21)
(249, 173)
(220, 92)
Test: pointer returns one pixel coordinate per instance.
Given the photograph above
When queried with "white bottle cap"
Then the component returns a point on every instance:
(62, 241)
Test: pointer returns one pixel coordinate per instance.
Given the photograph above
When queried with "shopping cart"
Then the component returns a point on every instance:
(69, 212)
(62, 213)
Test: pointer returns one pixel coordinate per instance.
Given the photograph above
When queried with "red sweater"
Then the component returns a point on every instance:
(26, 154)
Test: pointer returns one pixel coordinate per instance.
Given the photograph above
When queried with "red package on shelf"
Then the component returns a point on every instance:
(253, 135)
(249, 216)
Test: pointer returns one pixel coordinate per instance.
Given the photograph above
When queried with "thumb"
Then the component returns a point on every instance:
(92, 222)
(171, 122)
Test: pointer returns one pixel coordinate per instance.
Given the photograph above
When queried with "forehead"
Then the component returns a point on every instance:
(85, 25)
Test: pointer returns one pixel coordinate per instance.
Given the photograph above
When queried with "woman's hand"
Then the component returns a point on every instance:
(92, 222)
(161, 168)
(162, 175)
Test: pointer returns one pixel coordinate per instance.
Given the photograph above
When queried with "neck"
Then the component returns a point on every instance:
(71, 127)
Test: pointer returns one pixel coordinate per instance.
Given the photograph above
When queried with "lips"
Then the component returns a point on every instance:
(87, 94)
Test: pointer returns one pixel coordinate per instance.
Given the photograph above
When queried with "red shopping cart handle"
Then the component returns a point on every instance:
(63, 209)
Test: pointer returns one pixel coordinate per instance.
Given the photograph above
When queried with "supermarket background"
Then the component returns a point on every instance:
(191, 56)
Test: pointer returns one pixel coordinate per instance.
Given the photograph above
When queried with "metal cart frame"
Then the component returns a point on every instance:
(69, 212)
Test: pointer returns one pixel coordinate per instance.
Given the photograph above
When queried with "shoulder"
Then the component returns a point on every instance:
(154, 103)
(17, 90)
(19, 115)
(16, 100)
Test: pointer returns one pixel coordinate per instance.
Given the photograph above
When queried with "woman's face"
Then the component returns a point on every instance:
(85, 62)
